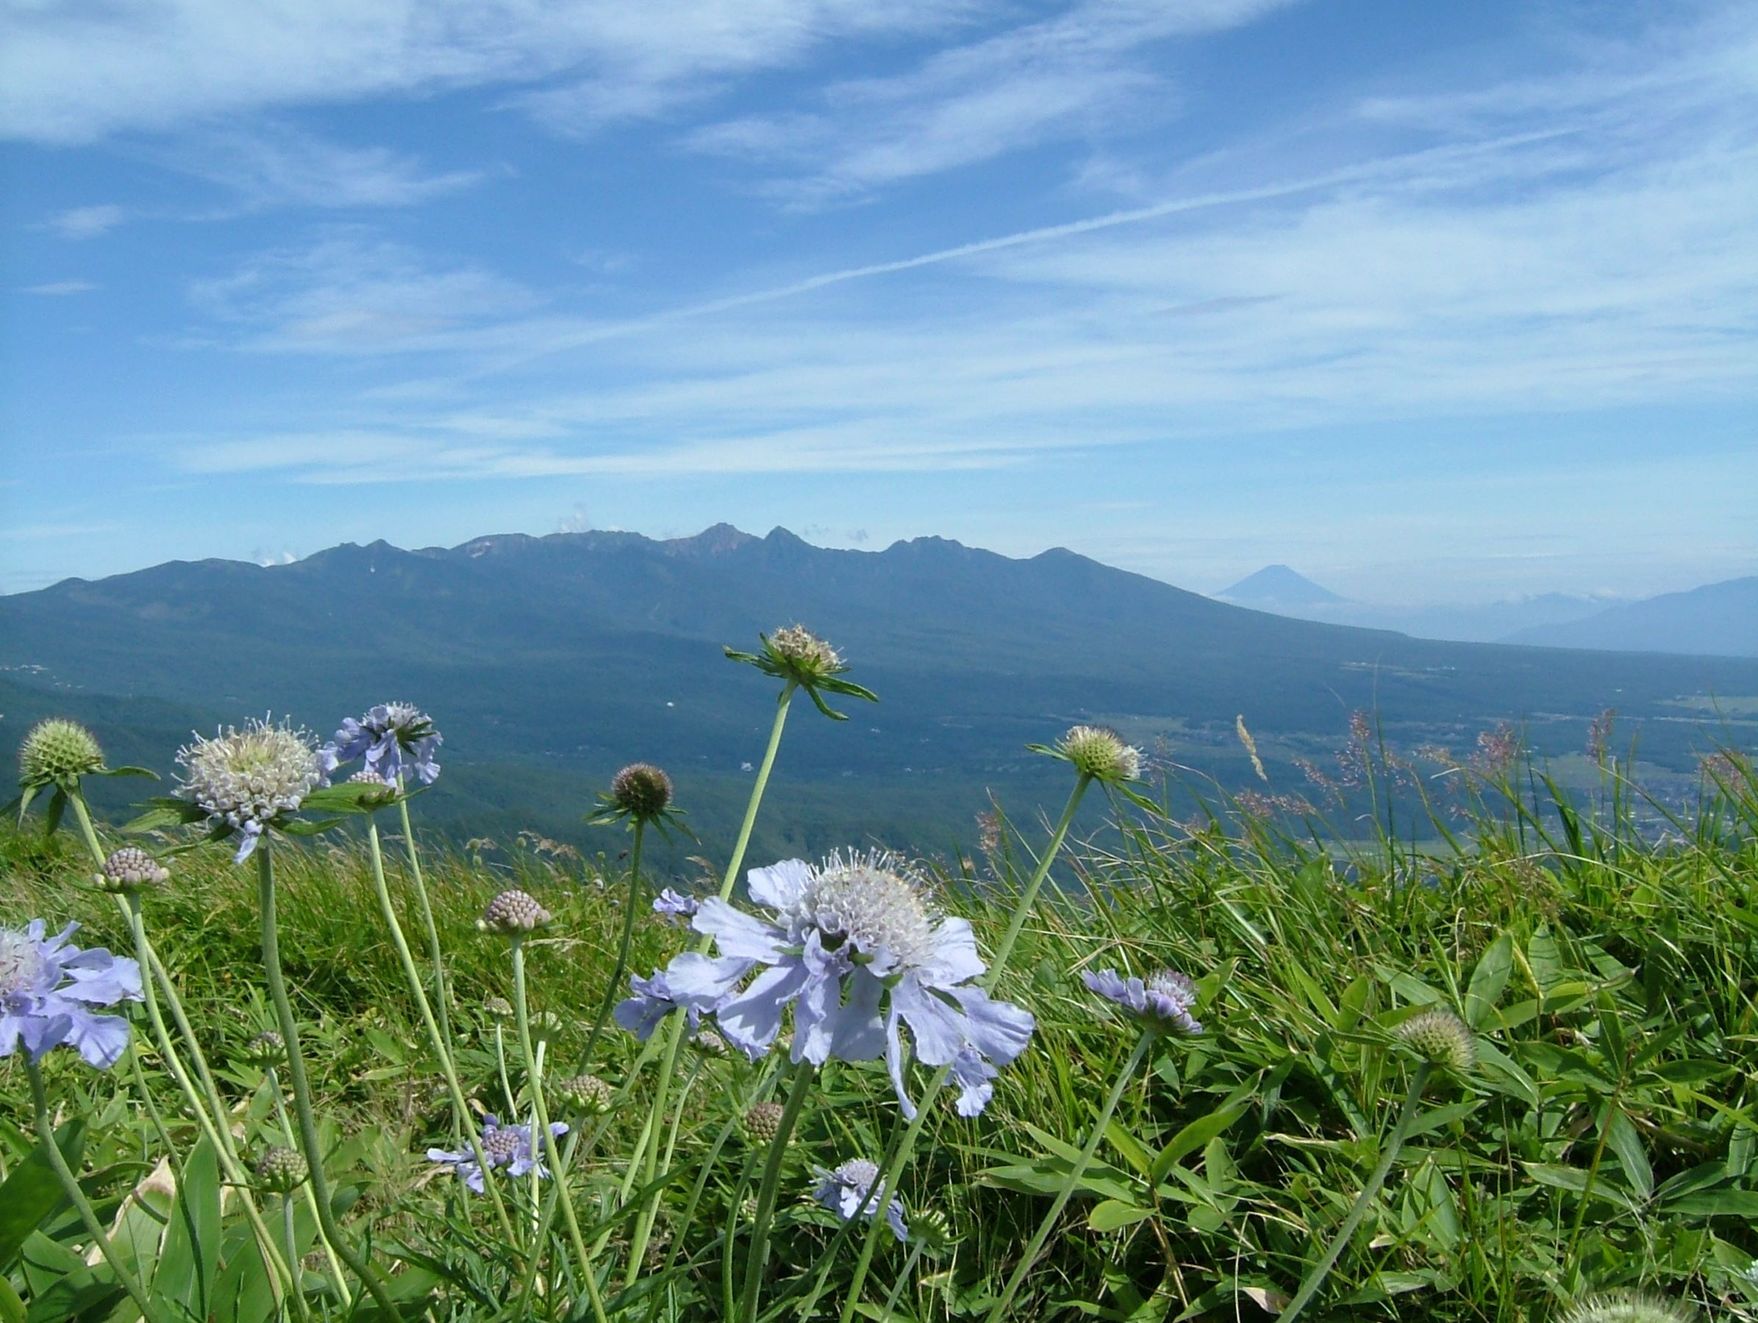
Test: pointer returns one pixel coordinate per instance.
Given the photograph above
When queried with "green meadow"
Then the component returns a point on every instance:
(1589, 1128)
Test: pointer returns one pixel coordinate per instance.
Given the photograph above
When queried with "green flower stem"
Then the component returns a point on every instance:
(1315, 1278)
(292, 1239)
(301, 1086)
(70, 1186)
(500, 1061)
(903, 1277)
(441, 996)
(1063, 1195)
(648, 1156)
(210, 1115)
(557, 1173)
(1030, 894)
(757, 1257)
(435, 1034)
(907, 1146)
(337, 1276)
(630, 908)
(744, 841)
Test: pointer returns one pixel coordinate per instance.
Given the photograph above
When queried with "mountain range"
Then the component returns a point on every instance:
(1716, 619)
(550, 661)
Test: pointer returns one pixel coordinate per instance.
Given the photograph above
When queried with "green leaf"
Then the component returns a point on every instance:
(32, 1193)
(1717, 1203)
(1622, 1139)
(11, 1307)
(1488, 980)
(1112, 1214)
(308, 827)
(1193, 1137)
(190, 1258)
(127, 771)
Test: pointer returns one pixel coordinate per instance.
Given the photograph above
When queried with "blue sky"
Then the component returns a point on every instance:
(1433, 302)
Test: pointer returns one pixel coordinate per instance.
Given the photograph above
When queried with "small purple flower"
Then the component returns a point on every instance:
(857, 951)
(507, 1146)
(1161, 1002)
(848, 1190)
(393, 738)
(48, 989)
(676, 904)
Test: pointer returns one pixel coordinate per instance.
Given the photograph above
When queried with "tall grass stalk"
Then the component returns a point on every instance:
(1072, 1180)
(45, 1128)
(309, 1142)
(436, 1034)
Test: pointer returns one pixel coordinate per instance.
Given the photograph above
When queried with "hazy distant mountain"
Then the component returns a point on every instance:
(1278, 589)
(550, 661)
(1718, 618)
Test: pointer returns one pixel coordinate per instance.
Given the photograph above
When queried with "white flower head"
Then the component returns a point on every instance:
(246, 779)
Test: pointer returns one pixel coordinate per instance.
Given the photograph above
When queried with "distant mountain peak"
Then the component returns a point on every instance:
(715, 540)
(1281, 585)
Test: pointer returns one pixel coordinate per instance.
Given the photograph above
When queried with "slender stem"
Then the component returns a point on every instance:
(1315, 1278)
(336, 1275)
(435, 1034)
(292, 1239)
(210, 1115)
(1030, 894)
(1071, 1180)
(758, 1255)
(631, 907)
(739, 847)
(557, 1172)
(645, 1156)
(909, 1267)
(500, 1061)
(442, 998)
(906, 1147)
(301, 1086)
(70, 1186)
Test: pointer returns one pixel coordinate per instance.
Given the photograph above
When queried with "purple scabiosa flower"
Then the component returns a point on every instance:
(246, 780)
(848, 1189)
(859, 953)
(48, 989)
(675, 904)
(393, 738)
(1160, 1002)
(508, 1146)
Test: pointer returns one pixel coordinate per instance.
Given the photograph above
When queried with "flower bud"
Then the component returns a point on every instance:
(513, 913)
(281, 1170)
(383, 792)
(58, 750)
(762, 1123)
(130, 869)
(641, 790)
(585, 1093)
(1441, 1038)
(1100, 754)
(708, 1043)
(1627, 1307)
(498, 1008)
(265, 1050)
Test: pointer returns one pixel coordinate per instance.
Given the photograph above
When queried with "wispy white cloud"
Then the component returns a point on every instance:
(86, 222)
(1077, 74)
(350, 293)
(74, 74)
(59, 288)
(272, 165)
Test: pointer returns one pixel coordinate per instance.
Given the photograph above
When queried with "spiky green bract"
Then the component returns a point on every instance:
(55, 755)
(1096, 752)
(1442, 1039)
(798, 657)
(58, 751)
(640, 795)
(1628, 1307)
(266, 1049)
(586, 1094)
